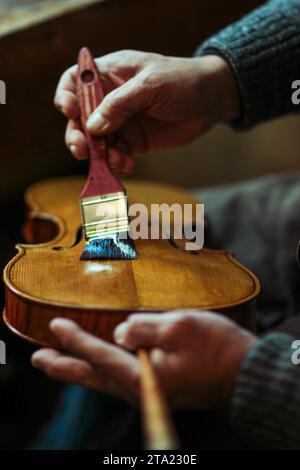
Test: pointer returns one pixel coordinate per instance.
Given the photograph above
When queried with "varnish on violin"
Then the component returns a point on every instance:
(47, 279)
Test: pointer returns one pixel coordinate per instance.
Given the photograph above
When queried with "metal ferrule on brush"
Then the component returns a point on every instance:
(104, 215)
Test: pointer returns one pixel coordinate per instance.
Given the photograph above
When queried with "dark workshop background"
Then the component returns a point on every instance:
(38, 40)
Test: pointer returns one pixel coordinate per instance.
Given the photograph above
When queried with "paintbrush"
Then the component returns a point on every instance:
(103, 200)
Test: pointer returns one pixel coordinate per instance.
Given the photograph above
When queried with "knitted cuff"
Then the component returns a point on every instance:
(265, 406)
(263, 50)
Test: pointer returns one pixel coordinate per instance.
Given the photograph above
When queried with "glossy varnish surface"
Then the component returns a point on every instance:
(49, 279)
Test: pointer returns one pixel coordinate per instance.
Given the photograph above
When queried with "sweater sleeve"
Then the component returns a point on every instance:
(265, 406)
(263, 50)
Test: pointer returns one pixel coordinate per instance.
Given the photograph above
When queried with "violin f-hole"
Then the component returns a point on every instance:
(77, 240)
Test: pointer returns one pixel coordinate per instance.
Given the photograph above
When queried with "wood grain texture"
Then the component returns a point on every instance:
(158, 427)
(48, 280)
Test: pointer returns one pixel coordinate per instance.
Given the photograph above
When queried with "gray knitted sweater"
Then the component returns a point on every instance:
(263, 50)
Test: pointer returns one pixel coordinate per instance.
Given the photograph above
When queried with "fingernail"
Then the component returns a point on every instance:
(73, 148)
(36, 358)
(60, 322)
(119, 332)
(96, 122)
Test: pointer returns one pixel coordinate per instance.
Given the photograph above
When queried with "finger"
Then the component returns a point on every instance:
(75, 140)
(157, 356)
(59, 366)
(117, 107)
(120, 164)
(115, 80)
(108, 358)
(122, 65)
(153, 329)
(140, 330)
(164, 363)
(68, 80)
(67, 103)
(65, 97)
(127, 165)
(115, 160)
(117, 66)
(70, 369)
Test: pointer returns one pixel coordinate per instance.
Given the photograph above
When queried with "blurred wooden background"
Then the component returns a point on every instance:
(33, 57)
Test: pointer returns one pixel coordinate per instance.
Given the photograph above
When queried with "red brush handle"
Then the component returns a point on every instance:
(90, 93)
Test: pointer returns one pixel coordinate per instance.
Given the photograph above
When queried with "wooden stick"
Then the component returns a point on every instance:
(158, 428)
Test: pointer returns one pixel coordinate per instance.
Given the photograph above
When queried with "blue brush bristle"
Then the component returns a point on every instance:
(110, 247)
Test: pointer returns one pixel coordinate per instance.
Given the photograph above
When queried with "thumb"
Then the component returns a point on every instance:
(117, 107)
(139, 330)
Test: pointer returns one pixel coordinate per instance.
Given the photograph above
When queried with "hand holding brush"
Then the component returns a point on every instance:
(103, 199)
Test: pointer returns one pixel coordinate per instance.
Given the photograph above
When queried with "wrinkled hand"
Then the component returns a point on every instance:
(157, 102)
(197, 356)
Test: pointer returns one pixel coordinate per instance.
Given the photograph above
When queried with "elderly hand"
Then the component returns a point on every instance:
(157, 102)
(197, 356)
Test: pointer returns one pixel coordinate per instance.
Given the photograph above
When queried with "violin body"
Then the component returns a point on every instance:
(47, 279)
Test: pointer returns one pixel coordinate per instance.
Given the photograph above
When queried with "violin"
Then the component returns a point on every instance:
(47, 279)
